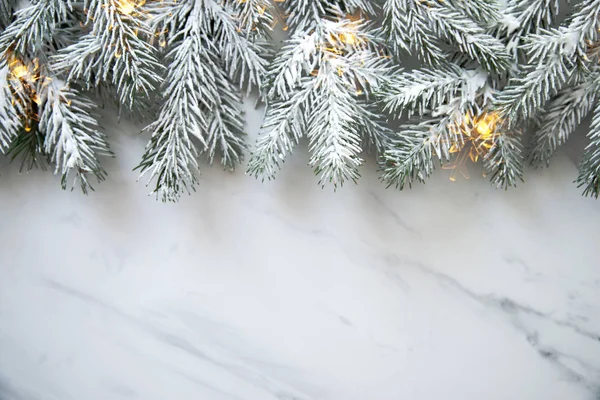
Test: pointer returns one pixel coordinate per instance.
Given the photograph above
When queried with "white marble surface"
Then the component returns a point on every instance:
(284, 291)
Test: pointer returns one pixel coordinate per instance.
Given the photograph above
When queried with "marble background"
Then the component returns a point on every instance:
(284, 291)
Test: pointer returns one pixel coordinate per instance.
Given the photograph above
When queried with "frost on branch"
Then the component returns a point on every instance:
(114, 49)
(216, 50)
(318, 86)
(558, 86)
(47, 120)
(72, 137)
(589, 176)
(10, 126)
(555, 59)
(423, 27)
(560, 119)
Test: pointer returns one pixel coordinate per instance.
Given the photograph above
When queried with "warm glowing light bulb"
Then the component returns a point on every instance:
(486, 125)
(348, 38)
(20, 71)
(476, 136)
(127, 7)
(483, 128)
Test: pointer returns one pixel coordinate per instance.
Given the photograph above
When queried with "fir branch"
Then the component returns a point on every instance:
(556, 56)
(317, 86)
(114, 50)
(526, 94)
(471, 39)
(415, 26)
(29, 147)
(353, 6)
(170, 156)
(532, 16)
(225, 131)
(253, 17)
(375, 134)
(170, 159)
(286, 70)
(284, 124)
(334, 138)
(33, 27)
(292, 114)
(199, 104)
(407, 29)
(589, 169)
(411, 154)
(306, 15)
(6, 12)
(302, 52)
(367, 70)
(244, 55)
(484, 12)
(10, 126)
(504, 161)
(426, 90)
(236, 30)
(72, 139)
(583, 25)
(561, 118)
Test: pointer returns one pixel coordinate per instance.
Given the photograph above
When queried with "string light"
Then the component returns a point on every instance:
(340, 43)
(25, 80)
(128, 7)
(348, 38)
(21, 72)
(475, 136)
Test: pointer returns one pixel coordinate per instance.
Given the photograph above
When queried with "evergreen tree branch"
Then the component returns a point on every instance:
(33, 27)
(28, 36)
(29, 147)
(200, 111)
(416, 26)
(10, 126)
(556, 56)
(561, 118)
(318, 85)
(426, 90)
(526, 94)
(244, 55)
(170, 157)
(306, 15)
(301, 54)
(470, 38)
(225, 131)
(6, 12)
(286, 70)
(72, 140)
(532, 16)
(411, 154)
(253, 17)
(583, 25)
(374, 133)
(334, 138)
(114, 50)
(504, 161)
(589, 169)
(484, 12)
(293, 113)
(407, 29)
(284, 124)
